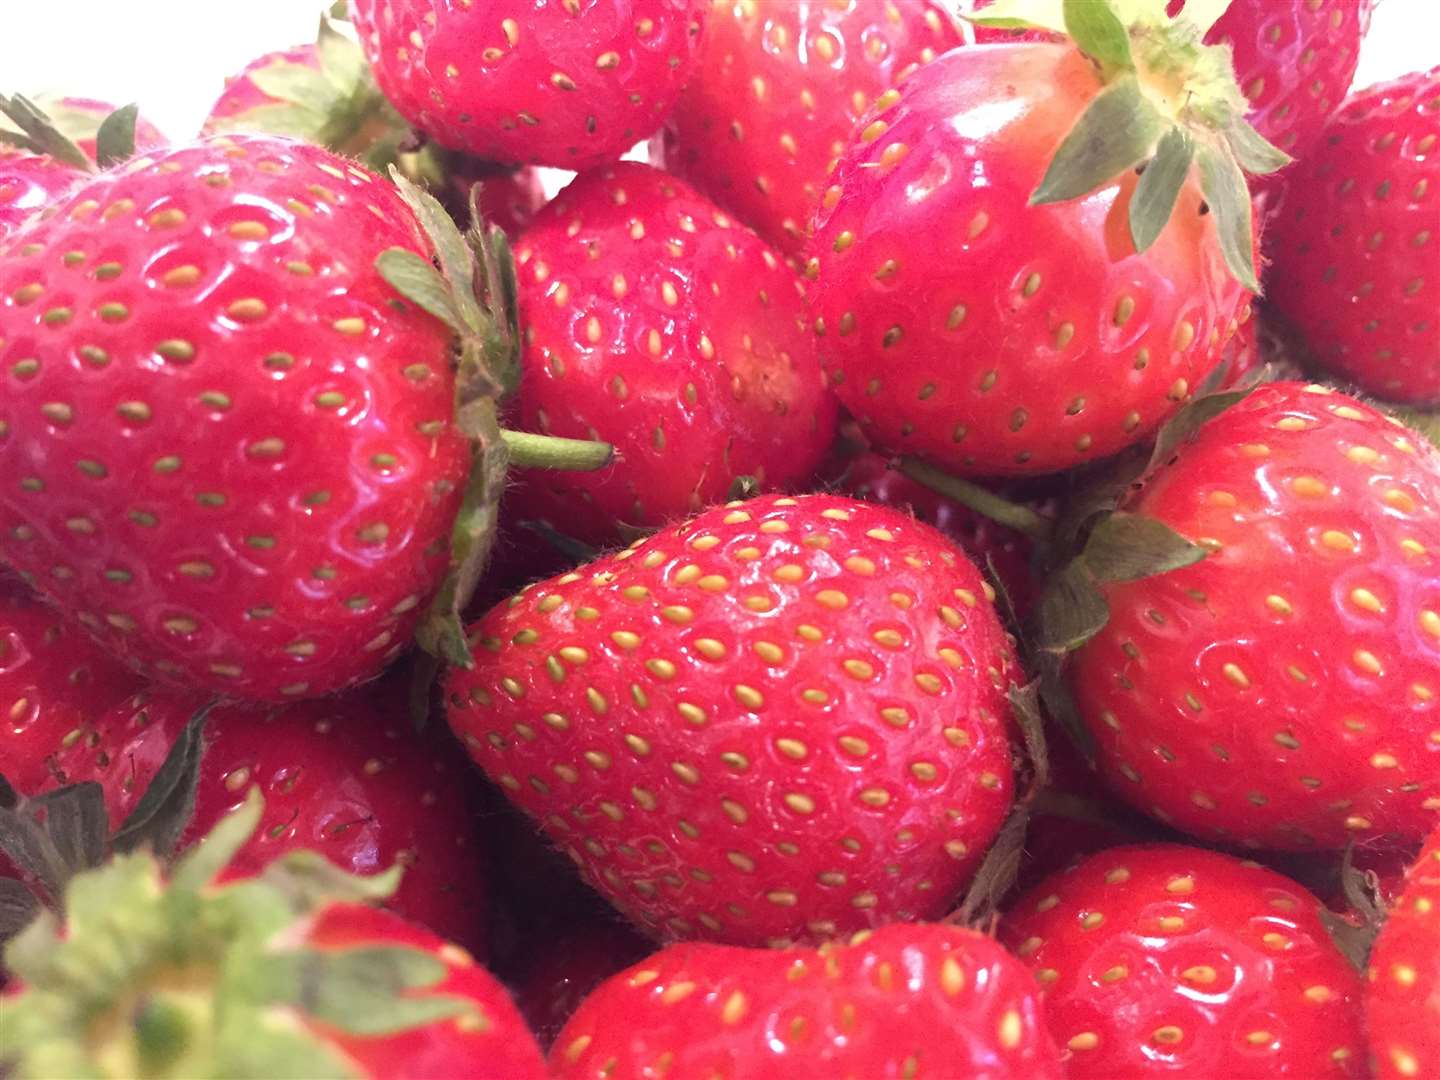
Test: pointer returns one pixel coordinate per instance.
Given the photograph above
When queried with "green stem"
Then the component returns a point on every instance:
(1011, 515)
(530, 451)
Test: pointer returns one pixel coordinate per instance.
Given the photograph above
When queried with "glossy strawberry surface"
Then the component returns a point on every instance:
(231, 443)
(492, 1041)
(53, 679)
(782, 720)
(1354, 247)
(1402, 1008)
(655, 321)
(574, 83)
(778, 89)
(926, 1002)
(29, 183)
(346, 777)
(1034, 338)
(1163, 960)
(1282, 692)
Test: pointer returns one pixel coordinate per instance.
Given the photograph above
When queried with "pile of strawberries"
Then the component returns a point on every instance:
(936, 576)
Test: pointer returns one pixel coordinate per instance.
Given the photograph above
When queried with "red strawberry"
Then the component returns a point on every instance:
(777, 93)
(1284, 691)
(1355, 244)
(906, 1001)
(227, 289)
(566, 967)
(29, 183)
(1067, 305)
(346, 777)
(782, 720)
(1162, 960)
(572, 84)
(52, 681)
(181, 976)
(506, 197)
(1402, 1006)
(654, 317)
(1294, 60)
(871, 477)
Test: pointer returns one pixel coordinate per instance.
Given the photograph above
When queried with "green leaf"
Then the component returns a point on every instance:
(1159, 187)
(280, 118)
(1223, 184)
(1094, 27)
(575, 551)
(169, 800)
(1117, 130)
(1129, 547)
(1072, 609)
(1195, 415)
(1025, 702)
(203, 862)
(341, 59)
(297, 84)
(1021, 15)
(1255, 153)
(974, 497)
(370, 991)
(997, 873)
(18, 908)
(414, 278)
(457, 264)
(115, 138)
(43, 136)
(77, 823)
(307, 879)
(1060, 704)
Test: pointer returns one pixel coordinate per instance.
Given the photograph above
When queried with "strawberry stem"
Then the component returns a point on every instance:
(530, 451)
(982, 501)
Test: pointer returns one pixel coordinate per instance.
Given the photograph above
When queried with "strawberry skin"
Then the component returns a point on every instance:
(1034, 338)
(1354, 246)
(29, 183)
(919, 1001)
(498, 1046)
(346, 777)
(777, 92)
(1164, 960)
(571, 84)
(655, 319)
(1402, 1006)
(232, 445)
(53, 679)
(1282, 692)
(782, 720)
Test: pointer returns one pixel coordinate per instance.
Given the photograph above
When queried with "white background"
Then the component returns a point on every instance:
(172, 56)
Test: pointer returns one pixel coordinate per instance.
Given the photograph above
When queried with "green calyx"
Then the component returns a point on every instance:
(470, 287)
(26, 126)
(1170, 105)
(156, 975)
(337, 105)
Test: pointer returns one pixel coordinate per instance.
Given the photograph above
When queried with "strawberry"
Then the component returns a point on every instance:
(1402, 1005)
(782, 720)
(776, 93)
(905, 1001)
(564, 968)
(345, 777)
(654, 317)
(29, 183)
(1281, 692)
(572, 84)
(289, 974)
(229, 285)
(1069, 304)
(1353, 246)
(1165, 960)
(52, 680)
(505, 197)
(871, 477)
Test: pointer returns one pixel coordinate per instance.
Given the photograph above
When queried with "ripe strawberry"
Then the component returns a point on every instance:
(1164, 960)
(564, 968)
(1073, 304)
(571, 84)
(871, 477)
(782, 720)
(1354, 250)
(227, 289)
(29, 183)
(1283, 692)
(905, 1001)
(505, 197)
(52, 680)
(346, 777)
(777, 92)
(656, 318)
(283, 975)
(1294, 60)
(1402, 1005)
